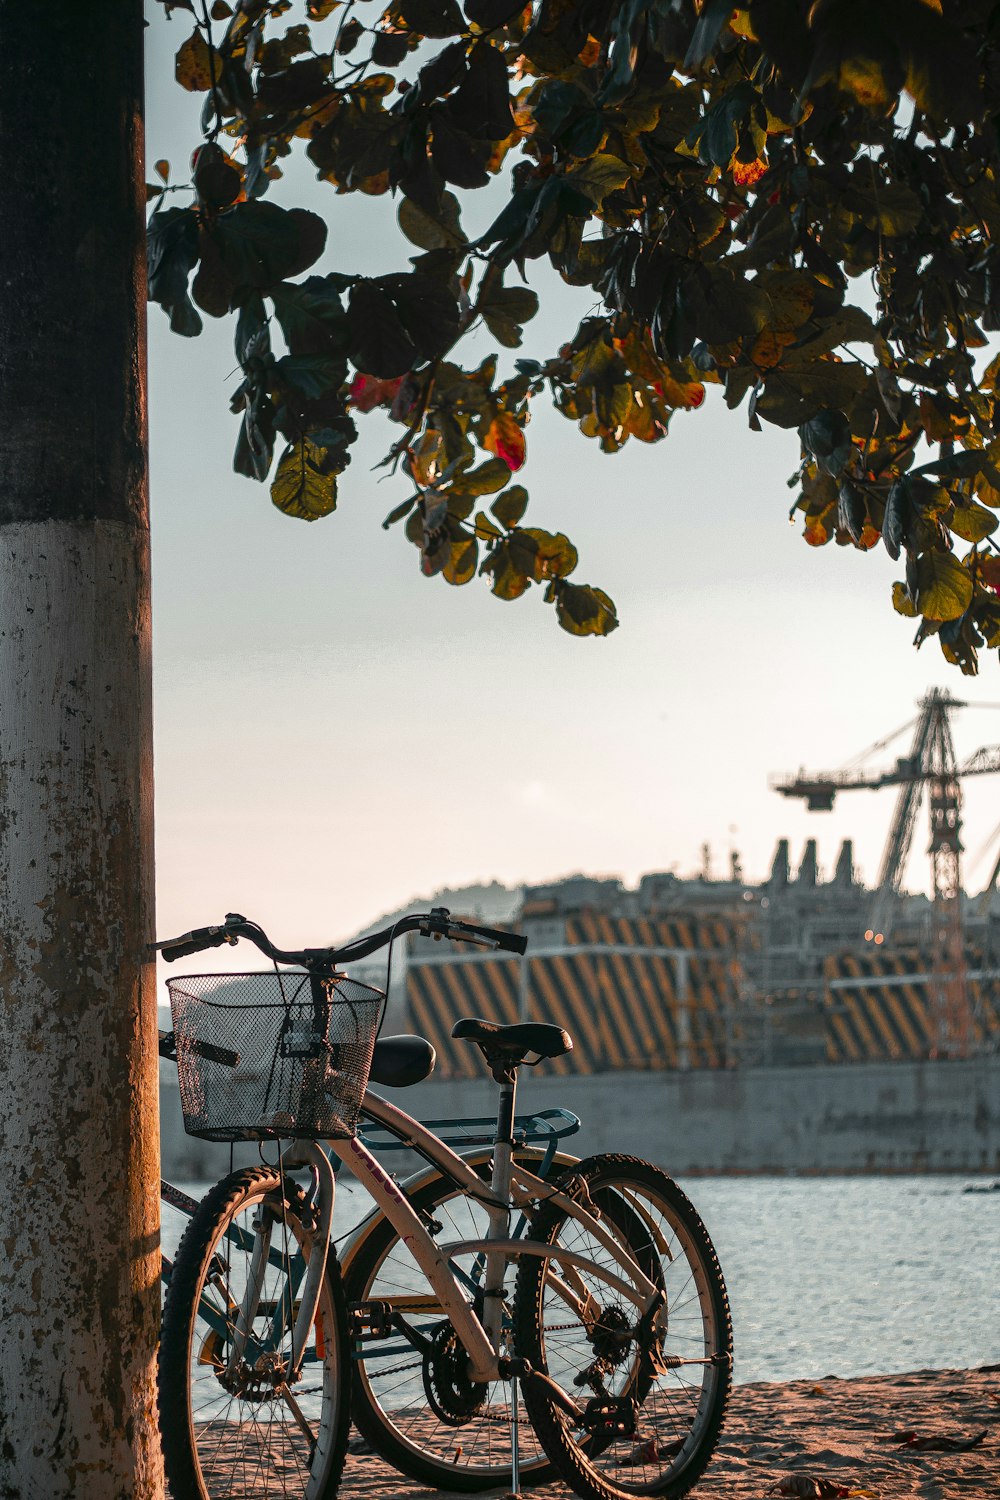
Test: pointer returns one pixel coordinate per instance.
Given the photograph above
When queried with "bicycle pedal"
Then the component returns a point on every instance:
(610, 1415)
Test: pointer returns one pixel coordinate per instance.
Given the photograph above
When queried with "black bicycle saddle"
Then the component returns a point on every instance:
(398, 1061)
(514, 1043)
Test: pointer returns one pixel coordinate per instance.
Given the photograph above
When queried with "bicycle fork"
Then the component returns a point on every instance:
(302, 1153)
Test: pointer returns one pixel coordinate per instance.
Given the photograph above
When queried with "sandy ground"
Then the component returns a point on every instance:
(829, 1429)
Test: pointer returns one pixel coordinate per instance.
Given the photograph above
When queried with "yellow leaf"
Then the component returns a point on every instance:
(162, 169)
(424, 458)
(769, 347)
(972, 522)
(461, 564)
(740, 23)
(689, 393)
(301, 486)
(556, 556)
(944, 586)
(485, 527)
(987, 492)
(601, 175)
(643, 422)
(193, 64)
(901, 601)
(863, 77)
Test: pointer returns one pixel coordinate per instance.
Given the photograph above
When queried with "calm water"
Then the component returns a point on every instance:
(856, 1275)
(838, 1275)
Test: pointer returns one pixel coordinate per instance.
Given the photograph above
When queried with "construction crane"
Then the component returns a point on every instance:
(931, 763)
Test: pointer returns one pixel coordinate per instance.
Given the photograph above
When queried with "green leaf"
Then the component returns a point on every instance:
(898, 209)
(433, 231)
(398, 512)
(433, 18)
(379, 344)
(505, 310)
(171, 254)
(511, 505)
(490, 477)
(311, 315)
(488, 15)
(462, 562)
(713, 17)
(312, 374)
(217, 178)
(481, 103)
(302, 486)
(583, 610)
(427, 309)
(716, 134)
(512, 565)
(851, 510)
(460, 157)
(944, 586)
(897, 519)
(252, 247)
(827, 436)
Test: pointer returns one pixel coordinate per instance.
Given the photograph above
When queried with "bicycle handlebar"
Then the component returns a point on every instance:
(437, 923)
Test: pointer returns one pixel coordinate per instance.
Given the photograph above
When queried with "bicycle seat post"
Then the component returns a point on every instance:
(504, 1070)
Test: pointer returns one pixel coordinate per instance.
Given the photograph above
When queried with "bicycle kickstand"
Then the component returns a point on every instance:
(515, 1460)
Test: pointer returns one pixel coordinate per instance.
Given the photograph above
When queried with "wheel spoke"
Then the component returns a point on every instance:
(235, 1428)
(652, 1394)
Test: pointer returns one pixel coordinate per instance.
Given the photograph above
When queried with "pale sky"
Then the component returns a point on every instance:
(336, 733)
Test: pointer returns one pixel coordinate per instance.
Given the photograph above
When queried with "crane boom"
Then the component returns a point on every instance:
(931, 763)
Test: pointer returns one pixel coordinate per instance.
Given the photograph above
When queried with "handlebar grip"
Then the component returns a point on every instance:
(216, 1054)
(192, 942)
(510, 942)
(168, 1049)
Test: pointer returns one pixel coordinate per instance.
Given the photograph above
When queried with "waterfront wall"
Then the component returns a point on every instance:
(874, 1117)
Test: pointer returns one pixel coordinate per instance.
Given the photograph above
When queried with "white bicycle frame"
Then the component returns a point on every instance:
(511, 1186)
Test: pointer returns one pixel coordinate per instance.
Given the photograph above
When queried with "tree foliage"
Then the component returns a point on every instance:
(723, 178)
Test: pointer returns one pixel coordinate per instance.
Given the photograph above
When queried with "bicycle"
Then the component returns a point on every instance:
(616, 1294)
(375, 1268)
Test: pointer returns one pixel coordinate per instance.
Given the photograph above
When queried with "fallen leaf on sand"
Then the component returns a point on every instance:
(806, 1487)
(939, 1442)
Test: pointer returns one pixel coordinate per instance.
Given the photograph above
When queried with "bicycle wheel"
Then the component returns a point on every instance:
(649, 1422)
(245, 1433)
(412, 1400)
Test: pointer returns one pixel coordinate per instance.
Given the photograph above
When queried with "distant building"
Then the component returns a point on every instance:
(701, 973)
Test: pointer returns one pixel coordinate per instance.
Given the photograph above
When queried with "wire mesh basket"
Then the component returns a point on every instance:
(275, 1055)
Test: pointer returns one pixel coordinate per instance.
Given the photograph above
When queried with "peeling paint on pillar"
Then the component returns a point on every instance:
(79, 1217)
(78, 1118)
